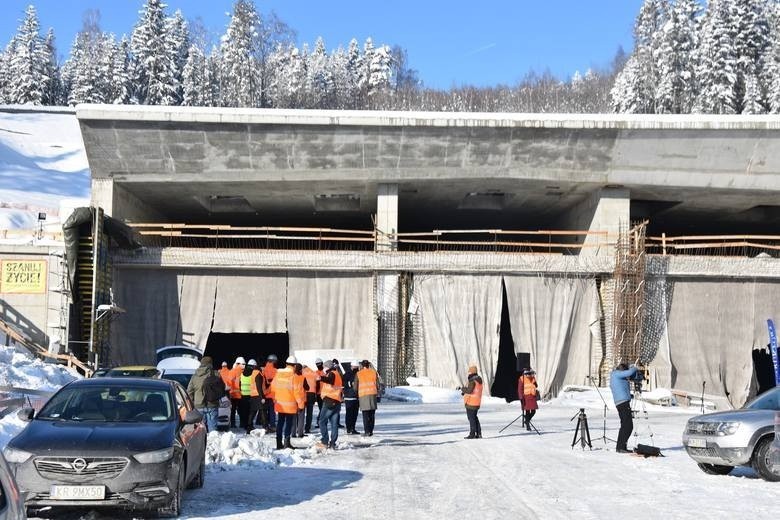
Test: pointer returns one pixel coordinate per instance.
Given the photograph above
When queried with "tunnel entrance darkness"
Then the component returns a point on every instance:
(228, 346)
(505, 381)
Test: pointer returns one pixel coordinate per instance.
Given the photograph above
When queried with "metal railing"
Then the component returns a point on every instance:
(714, 245)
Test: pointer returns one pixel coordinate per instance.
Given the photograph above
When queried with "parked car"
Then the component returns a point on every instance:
(11, 501)
(178, 363)
(720, 441)
(133, 371)
(130, 443)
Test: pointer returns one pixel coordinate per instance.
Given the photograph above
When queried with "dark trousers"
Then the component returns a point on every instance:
(284, 425)
(262, 414)
(474, 427)
(234, 403)
(351, 406)
(626, 425)
(319, 411)
(529, 414)
(311, 398)
(270, 413)
(368, 421)
(255, 404)
(243, 411)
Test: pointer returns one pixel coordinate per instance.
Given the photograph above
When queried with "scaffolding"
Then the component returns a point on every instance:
(628, 301)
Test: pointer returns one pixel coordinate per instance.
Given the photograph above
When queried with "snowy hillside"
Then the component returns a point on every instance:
(43, 167)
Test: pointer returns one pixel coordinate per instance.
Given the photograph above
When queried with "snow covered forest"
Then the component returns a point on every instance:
(688, 57)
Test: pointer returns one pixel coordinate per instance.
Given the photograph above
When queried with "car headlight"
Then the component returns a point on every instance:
(727, 428)
(16, 456)
(152, 457)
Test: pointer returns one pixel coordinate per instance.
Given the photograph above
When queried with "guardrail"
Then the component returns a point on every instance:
(718, 245)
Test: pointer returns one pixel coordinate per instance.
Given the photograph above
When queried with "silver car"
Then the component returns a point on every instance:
(720, 441)
(11, 501)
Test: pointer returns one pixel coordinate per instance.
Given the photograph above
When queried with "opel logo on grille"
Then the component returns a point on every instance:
(79, 465)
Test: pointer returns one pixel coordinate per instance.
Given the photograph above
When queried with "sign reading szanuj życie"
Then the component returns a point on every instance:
(23, 276)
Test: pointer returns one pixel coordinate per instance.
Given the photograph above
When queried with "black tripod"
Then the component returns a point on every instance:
(524, 423)
(604, 415)
(581, 431)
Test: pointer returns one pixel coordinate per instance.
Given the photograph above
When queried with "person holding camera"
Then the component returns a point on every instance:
(619, 383)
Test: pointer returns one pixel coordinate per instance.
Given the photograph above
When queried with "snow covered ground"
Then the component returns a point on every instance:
(418, 466)
(43, 167)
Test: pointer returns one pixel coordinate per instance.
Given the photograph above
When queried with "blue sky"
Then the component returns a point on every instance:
(449, 42)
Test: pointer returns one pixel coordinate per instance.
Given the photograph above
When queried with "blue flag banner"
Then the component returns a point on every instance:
(773, 350)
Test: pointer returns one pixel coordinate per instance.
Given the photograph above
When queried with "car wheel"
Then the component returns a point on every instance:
(173, 510)
(761, 461)
(715, 469)
(197, 482)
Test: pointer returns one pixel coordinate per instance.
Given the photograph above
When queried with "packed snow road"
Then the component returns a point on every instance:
(418, 465)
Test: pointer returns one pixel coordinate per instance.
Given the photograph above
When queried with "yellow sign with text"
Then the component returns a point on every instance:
(23, 276)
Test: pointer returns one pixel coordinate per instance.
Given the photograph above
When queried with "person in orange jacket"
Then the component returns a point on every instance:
(367, 387)
(286, 403)
(234, 388)
(312, 382)
(299, 388)
(269, 372)
(528, 393)
(472, 398)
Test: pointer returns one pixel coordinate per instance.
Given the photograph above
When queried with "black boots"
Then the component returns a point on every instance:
(279, 445)
(288, 444)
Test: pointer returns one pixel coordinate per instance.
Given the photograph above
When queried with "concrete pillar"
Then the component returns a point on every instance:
(386, 216)
(606, 210)
(119, 203)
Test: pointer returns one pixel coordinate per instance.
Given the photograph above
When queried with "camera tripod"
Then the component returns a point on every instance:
(526, 424)
(604, 414)
(581, 431)
(637, 407)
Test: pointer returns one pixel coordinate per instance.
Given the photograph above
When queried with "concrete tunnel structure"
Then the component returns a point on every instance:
(434, 312)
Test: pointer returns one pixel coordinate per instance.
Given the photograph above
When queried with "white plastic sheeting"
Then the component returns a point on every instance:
(712, 328)
(551, 318)
(461, 315)
(251, 303)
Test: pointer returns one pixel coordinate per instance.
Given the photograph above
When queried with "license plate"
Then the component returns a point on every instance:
(78, 492)
(695, 442)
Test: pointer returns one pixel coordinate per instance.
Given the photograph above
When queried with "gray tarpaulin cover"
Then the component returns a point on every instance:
(551, 318)
(168, 307)
(460, 316)
(712, 328)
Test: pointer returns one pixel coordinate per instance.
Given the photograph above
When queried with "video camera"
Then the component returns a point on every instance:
(637, 379)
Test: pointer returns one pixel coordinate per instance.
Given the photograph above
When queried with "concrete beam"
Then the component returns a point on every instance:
(386, 216)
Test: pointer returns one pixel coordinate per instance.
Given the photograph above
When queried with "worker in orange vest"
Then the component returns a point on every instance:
(472, 398)
(286, 403)
(269, 371)
(331, 389)
(528, 393)
(367, 386)
(234, 388)
(312, 382)
(299, 388)
(320, 374)
(224, 373)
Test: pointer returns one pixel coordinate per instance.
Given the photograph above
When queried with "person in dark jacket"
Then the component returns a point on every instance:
(351, 398)
(205, 389)
(619, 383)
(472, 398)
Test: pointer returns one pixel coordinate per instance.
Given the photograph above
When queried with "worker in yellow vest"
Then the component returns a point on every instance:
(286, 404)
(250, 395)
(472, 398)
(367, 386)
(331, 389)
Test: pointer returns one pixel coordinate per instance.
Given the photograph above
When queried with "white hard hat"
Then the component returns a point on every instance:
(240, 361)
(292, 360)
(317, 361)
(252, 362)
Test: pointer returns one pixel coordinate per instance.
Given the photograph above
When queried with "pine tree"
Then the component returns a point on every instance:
(770, 74)
(195, 88)
(716, 67)
(636, 87)
(178, 46)
(119, 89)
(319, 77)
(240, 72)
(752, 44)
(27, 63)
(676, 90)
(380, 76)
(154, 67)
(4, 75)
(53, 94)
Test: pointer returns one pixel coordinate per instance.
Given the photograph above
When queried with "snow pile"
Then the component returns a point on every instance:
(420, 391)
(257, 449)
(43, 168)
(10, 425)
(22, 370)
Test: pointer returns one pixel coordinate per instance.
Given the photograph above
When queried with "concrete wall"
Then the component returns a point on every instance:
(40, 317)
(119, 203)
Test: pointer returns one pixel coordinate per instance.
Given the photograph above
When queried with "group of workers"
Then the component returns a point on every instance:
(281, 400)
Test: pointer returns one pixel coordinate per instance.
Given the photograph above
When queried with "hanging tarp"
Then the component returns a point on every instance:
(250, 302)
(197, 293)
(460, 316)
(551, 319)
(331, 311)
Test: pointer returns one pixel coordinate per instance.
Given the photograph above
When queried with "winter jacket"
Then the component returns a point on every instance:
(619, 384)
(527, 391)
(195, 387)
(350, 392)
(471, 387)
